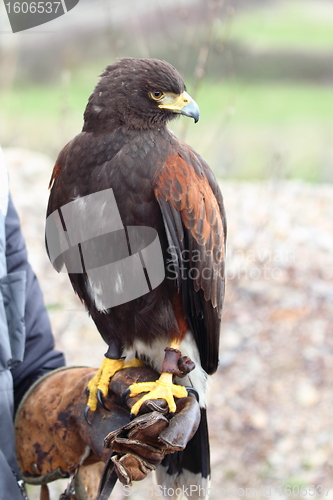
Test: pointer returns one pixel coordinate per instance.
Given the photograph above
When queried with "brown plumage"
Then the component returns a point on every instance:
(160, 182)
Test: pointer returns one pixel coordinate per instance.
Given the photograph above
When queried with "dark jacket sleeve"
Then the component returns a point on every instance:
(39, 356)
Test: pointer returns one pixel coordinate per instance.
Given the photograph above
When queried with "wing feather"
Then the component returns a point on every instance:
(194, 219)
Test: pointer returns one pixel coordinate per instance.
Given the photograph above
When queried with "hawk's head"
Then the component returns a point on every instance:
(140, 94)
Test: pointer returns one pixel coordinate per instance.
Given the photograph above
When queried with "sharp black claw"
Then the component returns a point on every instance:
(86, 411)
(193, 391)
(100, 400)
(125, 396)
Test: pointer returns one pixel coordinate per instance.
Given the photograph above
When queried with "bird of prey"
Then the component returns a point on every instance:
(158, 182)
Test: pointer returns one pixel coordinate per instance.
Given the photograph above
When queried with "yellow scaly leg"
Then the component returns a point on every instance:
(101, 379)
(163, 388)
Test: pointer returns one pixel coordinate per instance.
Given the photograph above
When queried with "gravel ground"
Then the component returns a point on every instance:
(271, 403)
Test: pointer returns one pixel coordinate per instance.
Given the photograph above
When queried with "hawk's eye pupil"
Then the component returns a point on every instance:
(157, 95)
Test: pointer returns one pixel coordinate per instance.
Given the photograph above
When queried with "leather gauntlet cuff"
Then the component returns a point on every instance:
(53, 438)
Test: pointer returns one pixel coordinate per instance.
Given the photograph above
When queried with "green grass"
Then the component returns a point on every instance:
(300, 25)
(269, 103)
(246, 131)
(250, 131)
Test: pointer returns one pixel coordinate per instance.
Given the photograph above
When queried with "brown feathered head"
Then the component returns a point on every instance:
(138, 94)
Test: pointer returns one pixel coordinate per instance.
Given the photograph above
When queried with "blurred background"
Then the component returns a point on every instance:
(260, 70)
(262, 74)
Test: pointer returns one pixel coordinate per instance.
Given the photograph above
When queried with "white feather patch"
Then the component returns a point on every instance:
(186, 485)
(95, 292)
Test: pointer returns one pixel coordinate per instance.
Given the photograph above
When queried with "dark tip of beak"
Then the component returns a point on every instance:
(191, 110)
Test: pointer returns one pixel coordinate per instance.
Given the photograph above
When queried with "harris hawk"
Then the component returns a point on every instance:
(162, 183)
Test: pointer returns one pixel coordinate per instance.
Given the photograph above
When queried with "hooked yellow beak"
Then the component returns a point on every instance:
(182, 104)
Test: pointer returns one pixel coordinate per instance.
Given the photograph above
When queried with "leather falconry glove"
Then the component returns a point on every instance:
(142, 444)
(53, 438)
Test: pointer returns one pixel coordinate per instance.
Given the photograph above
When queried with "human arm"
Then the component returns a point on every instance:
(40, 356)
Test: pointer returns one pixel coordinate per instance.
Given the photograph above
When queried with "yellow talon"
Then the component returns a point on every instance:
(133, 363)
(101, 379)
(163, 388)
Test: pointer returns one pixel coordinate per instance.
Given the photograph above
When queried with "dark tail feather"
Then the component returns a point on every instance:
(190, 467)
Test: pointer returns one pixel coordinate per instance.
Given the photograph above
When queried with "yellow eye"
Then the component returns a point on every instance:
(156, 95)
